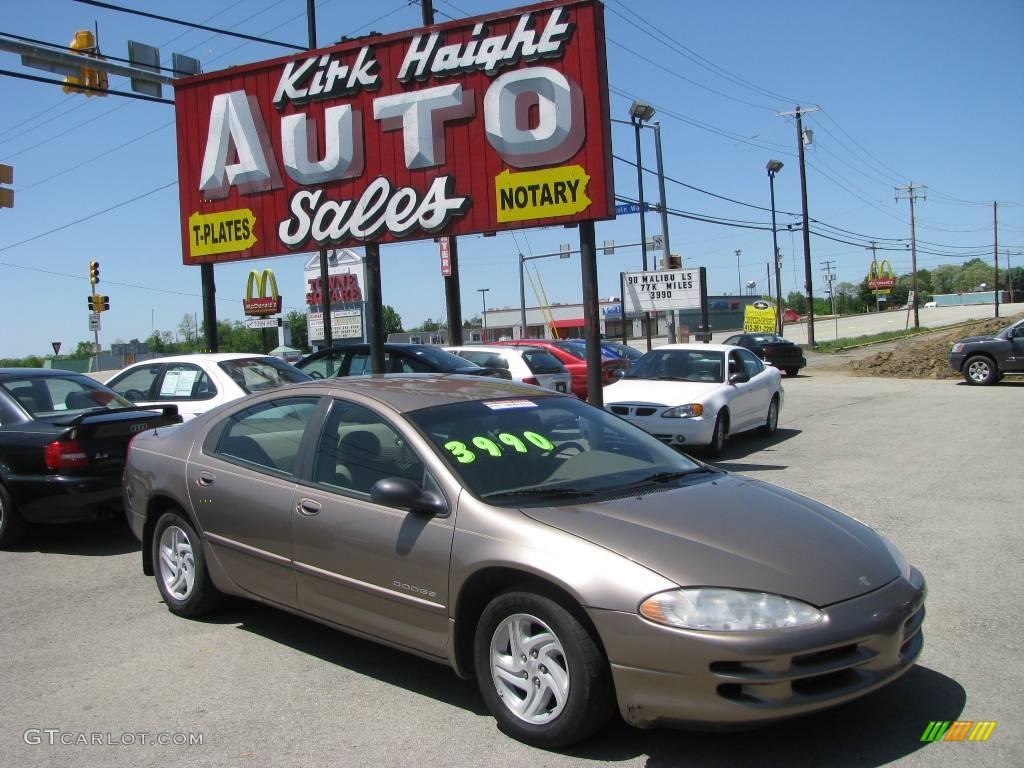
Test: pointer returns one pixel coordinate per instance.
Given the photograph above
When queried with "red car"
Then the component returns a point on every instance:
(573, 356)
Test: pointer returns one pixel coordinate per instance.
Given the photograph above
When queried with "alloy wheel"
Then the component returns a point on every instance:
(529, 669)
(177, 562)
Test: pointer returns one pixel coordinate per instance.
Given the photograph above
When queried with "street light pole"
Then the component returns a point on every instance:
(774, 166)
(639, 113)
(739, 277)
(483, 296)
(666, 250)
(522, 297)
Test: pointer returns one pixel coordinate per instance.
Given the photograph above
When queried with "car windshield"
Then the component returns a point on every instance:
(576, 349)
(541, 361)
(256, 374)
(678, 365)
(439, 359)
(530, 450)
(45, 396)
(624, 350)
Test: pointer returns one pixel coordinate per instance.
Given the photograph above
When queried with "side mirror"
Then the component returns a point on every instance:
(738, 378)
(403, 493)
(618, 373)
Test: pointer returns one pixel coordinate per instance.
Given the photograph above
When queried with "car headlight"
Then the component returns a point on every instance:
(684, 411)
(727, 610)
(958, 347)
(901, 562)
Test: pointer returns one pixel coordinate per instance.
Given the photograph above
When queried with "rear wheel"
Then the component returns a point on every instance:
(719, 436)
(541, 674)
(12, 527)
(792, 372)
(772, 422)
(980, 370)
(180, 566)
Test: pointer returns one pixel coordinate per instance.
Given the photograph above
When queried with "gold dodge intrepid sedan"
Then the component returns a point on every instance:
(565, 558)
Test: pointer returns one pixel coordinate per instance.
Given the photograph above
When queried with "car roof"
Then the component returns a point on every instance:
(212, 357)
(502, 349)
(698, 347)
(17, 373)
(405, 392)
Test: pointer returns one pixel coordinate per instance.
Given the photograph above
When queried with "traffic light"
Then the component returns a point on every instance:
(98, 303)
(84, 42)
(105, 303)
(92, 304)
(94, 272)
(6, 195)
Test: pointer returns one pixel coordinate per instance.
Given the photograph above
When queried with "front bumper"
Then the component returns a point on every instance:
(65, 499)
(956, 361)
(693, 431)
(671, 676)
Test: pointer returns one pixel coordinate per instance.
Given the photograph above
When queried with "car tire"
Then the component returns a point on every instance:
(179, 566)
(771, 423)
(550, 638)
(980, 370)
(12, 526)
(719, 436)
(792, 372)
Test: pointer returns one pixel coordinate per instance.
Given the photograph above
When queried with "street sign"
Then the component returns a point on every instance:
(623, 209)
(609, 247)
(656, 243)
(94, 321)
(56, 347)
(262, 322)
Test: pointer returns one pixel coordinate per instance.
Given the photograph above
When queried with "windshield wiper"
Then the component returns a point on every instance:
(541, 492)
(666, 477)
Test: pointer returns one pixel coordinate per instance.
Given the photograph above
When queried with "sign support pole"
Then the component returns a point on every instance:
(705, 323)
(375, 309)
(622, 303)
(591, 319)
(209, 307)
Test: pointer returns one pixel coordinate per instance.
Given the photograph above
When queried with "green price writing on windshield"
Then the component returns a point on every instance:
(464, 455)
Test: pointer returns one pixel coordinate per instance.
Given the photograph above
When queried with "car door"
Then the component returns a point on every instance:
(373, 568)
(1015, 357)
(242, 485)
(187, 385)
(761, 386)
(742, 395)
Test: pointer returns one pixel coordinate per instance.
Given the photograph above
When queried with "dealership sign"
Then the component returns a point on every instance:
(478, 125)
(759, 317)
(661, 291)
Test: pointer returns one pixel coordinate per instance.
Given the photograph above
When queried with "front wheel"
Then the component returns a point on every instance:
(719, 435)
(541, 674)
(980, 370)
(181, 573)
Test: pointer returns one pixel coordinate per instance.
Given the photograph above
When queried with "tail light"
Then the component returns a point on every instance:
(65, 454)
(530, 380)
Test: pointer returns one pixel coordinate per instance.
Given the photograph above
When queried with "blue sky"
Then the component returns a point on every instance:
(928, 92)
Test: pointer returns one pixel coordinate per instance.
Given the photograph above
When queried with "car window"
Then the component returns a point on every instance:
(324, 367)
(513, 452)
(399, 362)
(734, 340)
(256, 374)
(266, 436)
(751, 364)
(356, 448)
(576, 350)
(185, 381)
(43, 396)
(136, 383)
(486, 359)
(359, 364)
(542, 361)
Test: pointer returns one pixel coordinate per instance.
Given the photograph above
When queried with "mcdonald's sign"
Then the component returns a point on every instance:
(266, 301)
(881, 277)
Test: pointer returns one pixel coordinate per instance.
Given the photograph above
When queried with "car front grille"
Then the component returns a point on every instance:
(820, 674)
(633, 410)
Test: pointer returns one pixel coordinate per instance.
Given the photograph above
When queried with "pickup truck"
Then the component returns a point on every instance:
(986, 359)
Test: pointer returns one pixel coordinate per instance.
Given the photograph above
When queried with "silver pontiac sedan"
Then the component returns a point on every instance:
(570, 562)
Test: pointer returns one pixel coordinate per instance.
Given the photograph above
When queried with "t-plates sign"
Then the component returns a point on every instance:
(661, 291)
(475, 125)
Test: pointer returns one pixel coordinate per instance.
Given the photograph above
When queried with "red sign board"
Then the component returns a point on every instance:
(477, 125)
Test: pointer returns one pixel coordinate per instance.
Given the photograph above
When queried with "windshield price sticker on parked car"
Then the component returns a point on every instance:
(503, 405)
(510, 444)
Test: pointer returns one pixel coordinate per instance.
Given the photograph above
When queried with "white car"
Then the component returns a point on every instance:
(527, 365)
(197, 383)
(690, 395)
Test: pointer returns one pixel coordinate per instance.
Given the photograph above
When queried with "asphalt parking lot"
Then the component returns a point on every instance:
(935, 465)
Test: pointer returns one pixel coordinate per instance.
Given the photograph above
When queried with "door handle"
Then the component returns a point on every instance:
(206, 478)
(307, 507)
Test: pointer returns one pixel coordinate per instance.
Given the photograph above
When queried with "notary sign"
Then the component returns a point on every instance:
(661, 291)
(477, 125)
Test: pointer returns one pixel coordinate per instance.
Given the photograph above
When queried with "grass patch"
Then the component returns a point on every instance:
(874, 338)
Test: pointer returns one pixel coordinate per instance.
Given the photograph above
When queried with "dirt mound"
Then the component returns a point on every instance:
(925, 356)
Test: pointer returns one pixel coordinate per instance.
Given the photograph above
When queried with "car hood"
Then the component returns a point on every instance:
(734, 532)
(658, 392)
(971, 339)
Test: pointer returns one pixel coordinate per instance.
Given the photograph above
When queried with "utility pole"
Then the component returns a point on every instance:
(995, 250)
(739, 277)
(829, 269)
(809, 286)
(452, 289)
(912, 193)
(666, 250)
(643, 224)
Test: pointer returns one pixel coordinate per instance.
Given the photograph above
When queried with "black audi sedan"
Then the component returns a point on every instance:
(354, 360)
(63, 442)
(773, 349)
